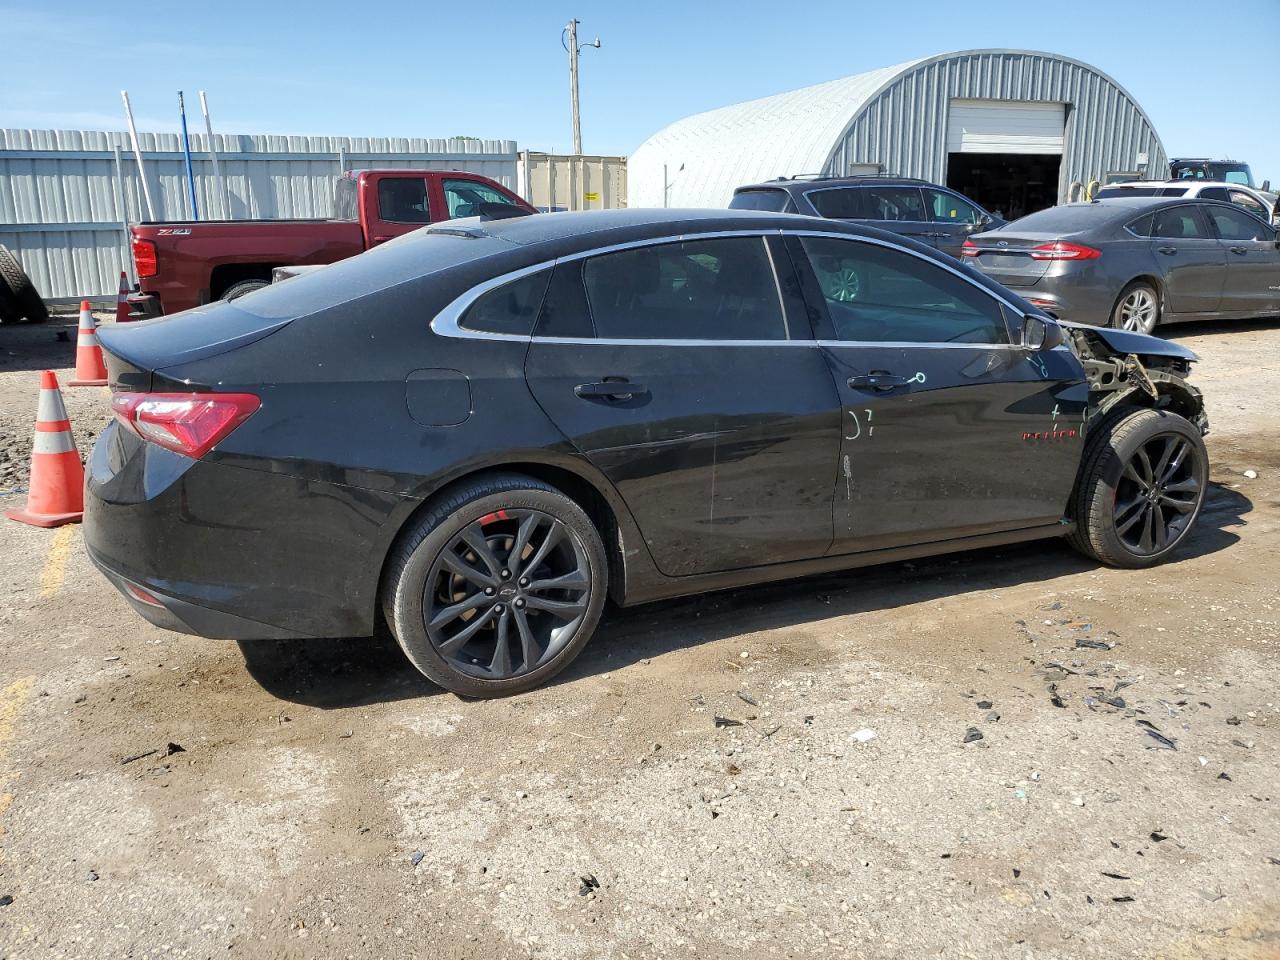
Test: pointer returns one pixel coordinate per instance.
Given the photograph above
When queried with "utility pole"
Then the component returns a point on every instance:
(571, 28)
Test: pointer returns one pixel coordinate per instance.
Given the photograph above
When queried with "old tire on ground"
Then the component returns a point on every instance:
(1137, 308)
(23, 299)
(497, 587)
(1140, 489)
(243, 287)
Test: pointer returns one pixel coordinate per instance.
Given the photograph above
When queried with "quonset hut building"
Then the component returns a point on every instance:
(1016, 130)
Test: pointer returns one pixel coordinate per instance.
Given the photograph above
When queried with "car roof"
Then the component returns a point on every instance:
(1188, 182)
(806, 183)
(583, 228)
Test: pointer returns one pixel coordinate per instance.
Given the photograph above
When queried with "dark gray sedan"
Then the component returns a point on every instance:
(1135, 262)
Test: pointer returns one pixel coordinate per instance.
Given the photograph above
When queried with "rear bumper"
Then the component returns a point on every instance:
(231, 552)
(171, 613)
(144, 306)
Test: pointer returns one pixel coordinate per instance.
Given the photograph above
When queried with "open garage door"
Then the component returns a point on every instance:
(1006, 155)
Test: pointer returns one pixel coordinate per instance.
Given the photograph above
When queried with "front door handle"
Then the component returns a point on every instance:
(1168, 251)
(1239, 251)
(609, 390)
(878, 380)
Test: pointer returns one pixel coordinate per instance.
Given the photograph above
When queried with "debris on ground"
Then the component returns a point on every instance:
(972, 734)
(864, 735)
(417, 857)
(727, 722)
(589, 883)
(747, 698)
(5, 900)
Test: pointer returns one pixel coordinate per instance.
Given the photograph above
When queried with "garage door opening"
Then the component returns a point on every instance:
(1010, 185)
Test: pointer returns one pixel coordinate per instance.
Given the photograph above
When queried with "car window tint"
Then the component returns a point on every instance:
(894, 203)
(720, 289)
(1236, 225)
(1178, 223)
(1248, 202)
(464, 197)
(1142, 226)
(839, 204)
(1214, 193)
(878, 294)
(510, 308)
(1174, 191)
(403, 200)
(948, 208)
(772, 201)
(564, 308)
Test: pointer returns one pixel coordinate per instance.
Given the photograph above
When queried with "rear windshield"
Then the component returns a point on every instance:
(772, 201)
(1069, 218)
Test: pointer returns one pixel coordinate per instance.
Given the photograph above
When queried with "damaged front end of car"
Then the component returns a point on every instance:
(1127, 369)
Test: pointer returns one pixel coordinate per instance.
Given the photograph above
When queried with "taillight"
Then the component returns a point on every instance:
(144, 258)
(969, 249)
(188, 423)
(1062, 250)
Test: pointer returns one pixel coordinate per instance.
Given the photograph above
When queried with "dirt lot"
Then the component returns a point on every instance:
(328, 802)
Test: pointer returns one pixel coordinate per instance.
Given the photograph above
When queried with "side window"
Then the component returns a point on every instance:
(895, 203)
(839, 203)
(1236, 225)
(403, 200)
(718, 289)
(510, 308)
(463, 197)
(878, 294)
(772, 201)
(948, 208)
(1143, 226)
(1178, 223)
(1214, 193)
(1248, 202)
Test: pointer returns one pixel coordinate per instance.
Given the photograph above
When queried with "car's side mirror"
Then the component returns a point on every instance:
(1040, 334)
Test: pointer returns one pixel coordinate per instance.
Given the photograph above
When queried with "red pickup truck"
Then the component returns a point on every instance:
(182, 265)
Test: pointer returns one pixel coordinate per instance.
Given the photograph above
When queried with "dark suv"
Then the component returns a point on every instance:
(914, 208)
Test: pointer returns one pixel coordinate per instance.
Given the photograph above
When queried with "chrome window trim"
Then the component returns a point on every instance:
(446, 322)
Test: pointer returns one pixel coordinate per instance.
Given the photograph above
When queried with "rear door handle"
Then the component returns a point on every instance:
(609, 390)
(1241, 251)
(880, 380)
(1168, 251)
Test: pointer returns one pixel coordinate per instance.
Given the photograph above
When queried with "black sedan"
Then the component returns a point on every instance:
(1134, 262)
(481, 430)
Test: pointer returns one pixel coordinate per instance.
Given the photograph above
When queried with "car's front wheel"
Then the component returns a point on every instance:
(497, 588)
(1140, 489)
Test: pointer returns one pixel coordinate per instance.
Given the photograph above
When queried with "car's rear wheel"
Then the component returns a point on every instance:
(497, 588)
(1141, 488)
(1137, 309)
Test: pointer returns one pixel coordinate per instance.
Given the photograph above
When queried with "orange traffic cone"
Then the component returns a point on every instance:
(91, 371)
(122, 299)
(56, 492)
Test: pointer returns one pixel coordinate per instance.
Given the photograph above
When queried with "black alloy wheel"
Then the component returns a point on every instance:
(1158, 494)
(506, 594)
(497, 586)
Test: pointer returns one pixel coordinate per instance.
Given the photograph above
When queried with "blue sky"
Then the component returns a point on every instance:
(392, 68)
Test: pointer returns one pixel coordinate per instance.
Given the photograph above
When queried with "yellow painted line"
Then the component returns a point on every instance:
(55, 565)
(11, 700)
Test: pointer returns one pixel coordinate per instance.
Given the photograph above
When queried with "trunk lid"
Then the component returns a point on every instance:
(1006, 257)
(135, 351)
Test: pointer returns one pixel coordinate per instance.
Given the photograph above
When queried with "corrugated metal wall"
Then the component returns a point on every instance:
(64, 195)
(904, 128)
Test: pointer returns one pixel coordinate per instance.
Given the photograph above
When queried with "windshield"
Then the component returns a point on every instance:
(1213, 170)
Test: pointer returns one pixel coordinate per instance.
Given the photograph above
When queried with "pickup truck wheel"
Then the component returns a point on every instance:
(1140, 490)
(497, 588)
(23, 299)
(243, 287)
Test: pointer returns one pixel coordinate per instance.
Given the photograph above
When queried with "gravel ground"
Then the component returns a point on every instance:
(328, 802)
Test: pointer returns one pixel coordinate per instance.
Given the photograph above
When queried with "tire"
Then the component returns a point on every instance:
(22, 292)
(10, 312)
(512, 612)
(1137, 308)
(243, 287)
(1111, 505)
